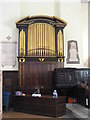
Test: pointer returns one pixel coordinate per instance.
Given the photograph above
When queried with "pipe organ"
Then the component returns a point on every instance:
(22, 43)
(40, 50)
(41, 40)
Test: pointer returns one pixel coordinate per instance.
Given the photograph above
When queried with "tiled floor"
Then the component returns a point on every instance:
(72, 111)
(78, 111)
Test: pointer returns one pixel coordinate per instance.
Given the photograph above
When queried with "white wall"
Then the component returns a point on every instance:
(40, 7)
(84, 18)
(9, 14)
(89, 34)
(0, 94)
(76, 28)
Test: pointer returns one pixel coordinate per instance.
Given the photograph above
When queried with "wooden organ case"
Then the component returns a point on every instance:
(40, 51)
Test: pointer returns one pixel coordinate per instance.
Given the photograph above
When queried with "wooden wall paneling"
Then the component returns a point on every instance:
(10, 79)
(20, 75)
(29, 75)
(37, 74)
(39, 33)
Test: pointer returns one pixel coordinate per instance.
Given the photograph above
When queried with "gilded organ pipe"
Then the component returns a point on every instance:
(49, 41)
(60, 43)
(41, 40)
(22, 43)
(51, 35)
(45, 39)
(31, 39)
(38, 39)
(35, 40)
(54, 40)
(28, 43)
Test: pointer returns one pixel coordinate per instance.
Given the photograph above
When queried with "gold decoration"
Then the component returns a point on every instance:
(21, 59)
(60, 59)
(41, 59)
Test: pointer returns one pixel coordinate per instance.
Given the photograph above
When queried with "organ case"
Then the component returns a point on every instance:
(41, 50)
